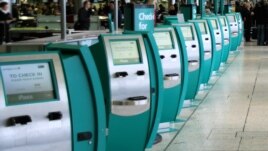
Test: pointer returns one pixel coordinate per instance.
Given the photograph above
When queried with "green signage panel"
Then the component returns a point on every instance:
(139, 17)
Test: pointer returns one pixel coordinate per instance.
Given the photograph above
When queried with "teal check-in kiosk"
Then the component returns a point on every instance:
(217, 36)
(234, 30)
(226, 35)
(206, 45)
(189, 35)
(174, 66)
(51, 101)
(132, 82)
(240, 28)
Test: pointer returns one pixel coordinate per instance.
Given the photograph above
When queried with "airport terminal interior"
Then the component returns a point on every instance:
(128, 75)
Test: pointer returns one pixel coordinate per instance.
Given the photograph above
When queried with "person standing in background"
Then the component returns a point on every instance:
(265, 19)
(172, 10)
(5, 20)
(258, 13)
(111, 10)
(84, 13)
(247, 18)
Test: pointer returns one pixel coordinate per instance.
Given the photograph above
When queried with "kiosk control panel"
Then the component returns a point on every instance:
(217, 32)
(129, 75)
(233, 24)
(225, 28)
(192, 46)
(170, 55)
(34, 104)
(206, 38)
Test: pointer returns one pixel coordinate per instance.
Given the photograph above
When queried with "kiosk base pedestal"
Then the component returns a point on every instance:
(158, 139)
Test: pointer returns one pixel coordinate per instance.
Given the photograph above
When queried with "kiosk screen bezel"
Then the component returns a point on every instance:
(214, 24)
(55, 91)
(126, 61)
(171, 39)
(231, 18)
(187, 38)
(203, 24)
(223, 22)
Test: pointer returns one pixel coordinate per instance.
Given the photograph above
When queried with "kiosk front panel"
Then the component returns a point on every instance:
(226, 36)
(123, 64)
(129, 75)
(193, 56)
(170, 56)
(234, 29)
(205, 42)
(34, 104)
(217, 35)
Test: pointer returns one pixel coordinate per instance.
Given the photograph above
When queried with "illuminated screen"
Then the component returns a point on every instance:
(214, 24)
(222, 20)
(125, 52)
(202, 27)
(187, 33)
(163, 40)
(27, 83)
(231, 18)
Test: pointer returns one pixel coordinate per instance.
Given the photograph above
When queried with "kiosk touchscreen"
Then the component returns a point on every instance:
(188, 32)
(125, 72)
(173, 72)
(226, 36)
(205, 42)
(217, 36)
(234, 30)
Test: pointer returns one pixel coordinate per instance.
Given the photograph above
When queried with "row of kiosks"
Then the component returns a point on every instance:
(111, 96)
(211, 37)
(106, 97)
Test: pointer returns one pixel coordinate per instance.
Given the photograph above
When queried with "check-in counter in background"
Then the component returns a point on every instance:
(83, 38)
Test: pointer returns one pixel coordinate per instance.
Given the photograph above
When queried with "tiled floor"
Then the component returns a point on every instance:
(233, 115)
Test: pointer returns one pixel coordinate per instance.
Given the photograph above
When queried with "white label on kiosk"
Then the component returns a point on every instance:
(125, 52)
(26, 83)
(163, 40)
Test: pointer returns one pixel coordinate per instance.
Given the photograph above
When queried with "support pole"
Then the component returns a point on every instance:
(216, 7)
(221, 7)
(63, 20)
(116, 15)
(202, 6)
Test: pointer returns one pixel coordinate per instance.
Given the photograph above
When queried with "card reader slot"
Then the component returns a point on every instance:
(53, 116)
(218, 44)
(206, 39)
(207, 51)
(172, 76)
(193, 46)
(225, 30)
(132, 101)
(193, 62)
(23, 120)
(173, 56)
(217, 33)
(121, 74)
(140, 73)
(162, 56)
